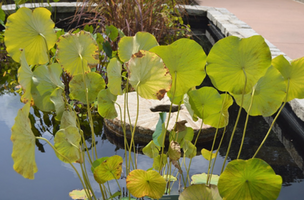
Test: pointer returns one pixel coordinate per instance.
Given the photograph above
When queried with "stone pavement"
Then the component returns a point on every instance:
(279, 21)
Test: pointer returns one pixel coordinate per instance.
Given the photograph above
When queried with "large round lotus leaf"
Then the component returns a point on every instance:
(200, 192)
(76, 51)
(151, 150)
(31, 31)
(186, 62)
(189, 149)
(110, 169)
(205, 101)
(268, 95)
(148, 75)
(142, 183)
(249, 179)
(45, 80)
(202, 179)
(24, 144)
(106, 102)
(97, 162)
(94, 83)
(25, 75)
(231, 58)
(128, 46)
(57, 100)
(220, 119)
(66, 142)
(114, 76)
(294, 72)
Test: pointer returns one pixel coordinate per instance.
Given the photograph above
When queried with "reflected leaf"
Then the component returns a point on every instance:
(249, 179)
(142, 183)
(31, 31)
(109, 169)
(106, 102)
(24, 144)
(94, 83)
(148, 75)
(128, 46)
(231, 57)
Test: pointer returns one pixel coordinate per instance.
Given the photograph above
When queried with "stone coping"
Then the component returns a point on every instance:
(224, 20)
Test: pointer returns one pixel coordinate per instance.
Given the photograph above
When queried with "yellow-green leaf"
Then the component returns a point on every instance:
(25, 75)
(106, 102)
(31, 31)
(24, 144)
(201, 192)
(114, 76)
(79, 194)
(202, 179)
(208, 155)
(141, 183)
(151, 149)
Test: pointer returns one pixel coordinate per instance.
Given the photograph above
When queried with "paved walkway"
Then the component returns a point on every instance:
(279, 21)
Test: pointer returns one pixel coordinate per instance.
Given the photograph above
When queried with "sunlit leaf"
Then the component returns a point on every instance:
(24, 144)
(294, 72)
(114, 76)
(151, 149)
(97, 162)
(221, 118)
(249, 179)
(45, 80)
(200, 191)
(141, 183)
(79, 194)
(110, 169)
(188, 106)
(159, 161)
(25, 75)
(31, 31)
(66, 142)
(174, 151)
(181, 135)
(268, 96)
(202, 179)
(128, 46)
(112, 32)
(94, 83)
(231, 60)
(76, 51)
(186, 60)
(205, 101)
(106, 102)
(206, 154)
(169, 177)
(160, 130)
(148, 75)
(189, 149)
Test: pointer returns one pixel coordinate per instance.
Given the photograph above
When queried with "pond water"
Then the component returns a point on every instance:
(55, 179)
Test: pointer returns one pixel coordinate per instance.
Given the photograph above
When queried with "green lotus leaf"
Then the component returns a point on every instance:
(79, 194)
(174, 151)
(181, 136)
(160, 130)
(45, 80)
(268, 96)
(294, 72)
(2, 15)
(200, 191)
(114, 76)
(25, 75)
(159, 161)
(148, 75)
(31, 31)
(142, 183)
(57, 99)
(24, 144)
(110, 169)
(68, 119)
(94, 83)
(112, 32)
(188, 107)
(169, 177)
(66, 142)
(151, 149)
(202, 179)
(106, 102)
(220, 119)
(189, 149)
(76, 51)
(205, 101)
(97, 162)
(206, 154)
(231, 58)
(249, 179)
(186, 62)
(128, 46)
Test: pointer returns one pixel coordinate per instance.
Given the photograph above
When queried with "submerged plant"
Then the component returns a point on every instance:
(239, 68)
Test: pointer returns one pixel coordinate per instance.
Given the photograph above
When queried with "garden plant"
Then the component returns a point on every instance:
(239, 69)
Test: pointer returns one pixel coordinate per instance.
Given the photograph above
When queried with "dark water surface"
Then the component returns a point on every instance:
(55, 179)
